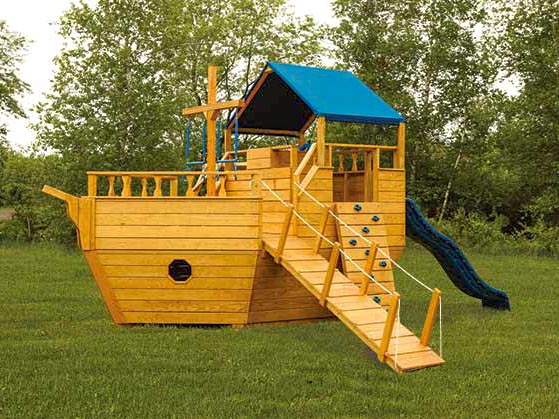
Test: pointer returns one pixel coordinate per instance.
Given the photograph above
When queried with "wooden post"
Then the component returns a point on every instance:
(375, 174)
(431, 315)
(321, 141)
(293, 163)
(368, 178)
(388, 326)
(301, 138)
(400, 154)
(211, 131)
(369, 268)
(321, 229)
(332, 264)
(91, 185)
(174, 186)
(284, 233)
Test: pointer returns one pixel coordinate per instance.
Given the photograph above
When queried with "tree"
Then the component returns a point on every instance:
(527, 37)
(12, 46)
(129, 66)
(423, 57)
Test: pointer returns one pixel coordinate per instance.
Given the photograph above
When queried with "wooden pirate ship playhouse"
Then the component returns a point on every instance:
(275, 234)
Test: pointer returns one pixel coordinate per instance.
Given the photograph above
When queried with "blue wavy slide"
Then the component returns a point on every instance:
(453, 261)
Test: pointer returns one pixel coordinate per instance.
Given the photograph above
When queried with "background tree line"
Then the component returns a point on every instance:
(477, 81)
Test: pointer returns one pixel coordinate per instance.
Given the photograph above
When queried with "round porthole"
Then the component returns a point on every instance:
(180, 270)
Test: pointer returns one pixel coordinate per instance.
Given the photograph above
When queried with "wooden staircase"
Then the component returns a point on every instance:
(375, 326)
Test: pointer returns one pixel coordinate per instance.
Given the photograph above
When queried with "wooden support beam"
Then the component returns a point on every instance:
(321, 141)
(368, 178)
(399, 155)
(301, 138)
(213, 108)
(369, 264)
(254, 90)
(308, 156)
(332, 264)
(375, 175)
(308, 179)
(211, 129)
(284, 233)
(431, 316)
(388, 326)
(321, 228)
(308, 124)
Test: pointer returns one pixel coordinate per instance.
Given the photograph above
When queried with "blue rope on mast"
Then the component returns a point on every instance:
(218, 140)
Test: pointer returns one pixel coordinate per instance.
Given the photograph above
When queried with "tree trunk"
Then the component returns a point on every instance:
(449, 184)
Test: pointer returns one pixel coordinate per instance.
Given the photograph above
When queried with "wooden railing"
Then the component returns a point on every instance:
(357, 157)
(159, 184)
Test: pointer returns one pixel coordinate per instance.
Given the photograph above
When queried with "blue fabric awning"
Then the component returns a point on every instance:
(285, 99)
(337, 95)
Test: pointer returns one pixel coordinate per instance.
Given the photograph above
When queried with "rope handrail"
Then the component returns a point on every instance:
(330, 242)
(362, 237)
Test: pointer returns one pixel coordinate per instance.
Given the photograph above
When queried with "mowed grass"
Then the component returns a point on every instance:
(60, 355)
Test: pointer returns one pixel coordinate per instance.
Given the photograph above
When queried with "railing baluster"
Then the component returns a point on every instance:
(126, 190)
(144, 187)
(430, 318)
(157, 191)
(388, 326)
(111, 186)
(354, 162)
(332, 265)
(341, 162)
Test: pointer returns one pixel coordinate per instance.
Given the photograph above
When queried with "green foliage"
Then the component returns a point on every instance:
(12, 87)
(37, 217)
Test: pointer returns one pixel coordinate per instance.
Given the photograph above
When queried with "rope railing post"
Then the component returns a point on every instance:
(430, 318)
(91, 185)
(389, 326)
(369, 268)
(321, 229)
(332, 264)
(284, 232)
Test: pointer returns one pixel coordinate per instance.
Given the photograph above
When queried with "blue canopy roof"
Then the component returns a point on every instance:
(337, 95)
(286, 96)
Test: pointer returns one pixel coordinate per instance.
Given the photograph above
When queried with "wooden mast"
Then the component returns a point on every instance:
(211, 130)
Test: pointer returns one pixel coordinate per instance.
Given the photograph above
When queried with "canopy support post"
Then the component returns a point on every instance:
(321, 141)
(400, 154)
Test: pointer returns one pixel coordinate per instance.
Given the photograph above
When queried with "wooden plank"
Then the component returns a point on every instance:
(164, 282)
(176, 244)
(162, 258)
(185, 306)
(184, 318)
(212, 107)
(194, 205)
(132, 271)
(289, 314)
(200, 231)
(260, 131)
(182, 294)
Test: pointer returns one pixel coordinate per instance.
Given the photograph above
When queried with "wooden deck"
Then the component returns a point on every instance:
(359, 313)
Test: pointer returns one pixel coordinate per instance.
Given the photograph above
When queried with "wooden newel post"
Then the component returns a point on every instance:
(91, 185)
(389, 326)
(321, 141)
(431, 316)
(334, 257)
(284, 233)
(400, 154)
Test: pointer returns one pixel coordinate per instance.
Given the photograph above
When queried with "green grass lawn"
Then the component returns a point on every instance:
(60, 355)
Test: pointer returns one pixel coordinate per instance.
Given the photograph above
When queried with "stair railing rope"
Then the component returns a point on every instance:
(330, 242)
(304, 221)
(369, 242)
